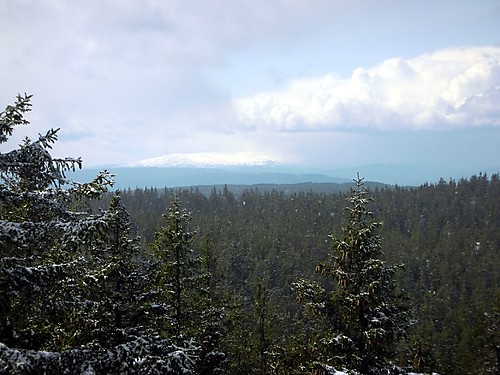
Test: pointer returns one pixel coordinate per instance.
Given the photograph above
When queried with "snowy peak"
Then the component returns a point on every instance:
(207, 160)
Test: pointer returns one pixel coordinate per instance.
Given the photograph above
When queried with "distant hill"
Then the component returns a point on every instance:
(269, 174)
(159, 177)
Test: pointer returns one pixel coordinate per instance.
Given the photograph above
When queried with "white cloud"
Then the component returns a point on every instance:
(449, 88)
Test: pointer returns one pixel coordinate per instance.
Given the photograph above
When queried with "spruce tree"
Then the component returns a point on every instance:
(177, 270)
(68, 274)
(189, 311)
(362, 316)
(212, 313)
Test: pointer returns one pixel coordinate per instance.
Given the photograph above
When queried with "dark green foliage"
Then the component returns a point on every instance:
(186, 286)
(71, 279)
(361, 317)
(30, 167)
(212, 313)
(177, 270)
(43, 252)
(14, 116)
(450, 280)
(451, 273)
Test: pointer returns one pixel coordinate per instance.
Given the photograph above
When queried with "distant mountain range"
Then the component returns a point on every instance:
(132, 177)
(269, 173)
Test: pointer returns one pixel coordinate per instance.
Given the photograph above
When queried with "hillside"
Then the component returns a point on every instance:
(446, 235)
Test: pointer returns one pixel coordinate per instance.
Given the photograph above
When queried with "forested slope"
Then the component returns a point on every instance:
(446, 235)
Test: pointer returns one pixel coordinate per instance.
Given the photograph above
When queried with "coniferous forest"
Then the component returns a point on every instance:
(367, 280)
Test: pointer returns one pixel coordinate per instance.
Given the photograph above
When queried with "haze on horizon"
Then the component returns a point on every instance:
(320, 83)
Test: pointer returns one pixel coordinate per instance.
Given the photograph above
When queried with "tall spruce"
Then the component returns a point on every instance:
(178, 270)
(362, 316)
(67, 274)
(190, 314)
(212, 304)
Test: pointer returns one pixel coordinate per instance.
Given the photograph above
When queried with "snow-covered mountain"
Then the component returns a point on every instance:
(208, 160)
(249, 168)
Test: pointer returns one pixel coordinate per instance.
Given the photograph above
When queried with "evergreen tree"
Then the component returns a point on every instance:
(178, 270)
(39, 238)
(185, 282)
(67, 274)
(211, 308)
(363, 315)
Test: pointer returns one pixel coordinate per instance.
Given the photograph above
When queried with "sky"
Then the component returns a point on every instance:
(313, 83)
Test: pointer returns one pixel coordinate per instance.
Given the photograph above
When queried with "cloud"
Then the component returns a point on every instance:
(449, 88)
(150, 56)
(148, 34)
(133, 79)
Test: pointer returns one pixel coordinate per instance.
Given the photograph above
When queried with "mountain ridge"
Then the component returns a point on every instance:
(185, 176)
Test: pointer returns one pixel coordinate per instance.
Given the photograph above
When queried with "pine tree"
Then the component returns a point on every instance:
(178, 270)
(211, 314)
(191, 315)
(38, 235)
(67, 274)
(362, 317)
(261, 306)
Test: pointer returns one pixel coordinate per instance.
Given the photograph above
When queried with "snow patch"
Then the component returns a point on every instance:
(208, 159)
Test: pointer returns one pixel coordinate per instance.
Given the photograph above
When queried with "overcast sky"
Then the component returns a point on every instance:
(313, 82)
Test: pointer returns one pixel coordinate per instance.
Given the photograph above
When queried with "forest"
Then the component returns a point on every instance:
(445, 234)
(363, 280)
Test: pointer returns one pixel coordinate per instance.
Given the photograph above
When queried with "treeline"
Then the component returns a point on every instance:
(445, 234)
